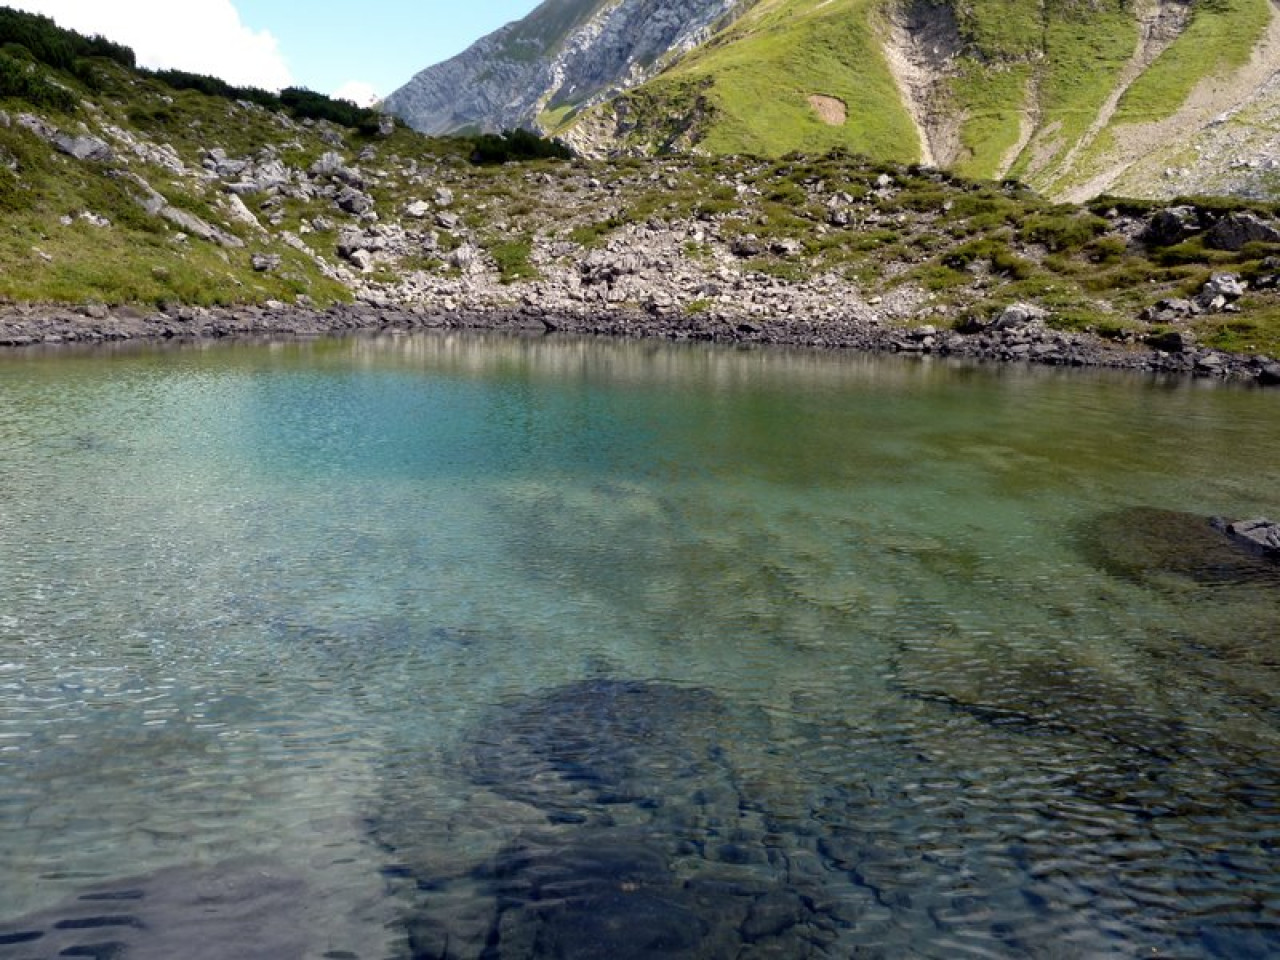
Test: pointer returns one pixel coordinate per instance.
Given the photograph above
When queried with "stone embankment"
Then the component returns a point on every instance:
(1019, 334)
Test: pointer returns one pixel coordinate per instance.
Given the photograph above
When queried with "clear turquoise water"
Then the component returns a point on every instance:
(867, 633)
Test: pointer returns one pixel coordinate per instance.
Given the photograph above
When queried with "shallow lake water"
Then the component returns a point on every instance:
(482, 647)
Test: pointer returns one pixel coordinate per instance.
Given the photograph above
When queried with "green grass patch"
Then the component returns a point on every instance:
(1257, 330)
(1064, 229)
(756, 80)
(992, 98)
(512, 259)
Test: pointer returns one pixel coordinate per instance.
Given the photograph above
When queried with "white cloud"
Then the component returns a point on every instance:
(358, 92)
(200, 36)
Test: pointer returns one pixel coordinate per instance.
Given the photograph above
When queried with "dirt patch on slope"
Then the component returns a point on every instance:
(922, 49)
(832, 111)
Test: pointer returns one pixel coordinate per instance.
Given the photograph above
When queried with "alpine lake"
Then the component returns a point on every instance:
(496, 648)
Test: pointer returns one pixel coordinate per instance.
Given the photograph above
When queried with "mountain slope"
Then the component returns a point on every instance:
(143, 199)
(564, 55)
(1076, 97)
(1067, 95)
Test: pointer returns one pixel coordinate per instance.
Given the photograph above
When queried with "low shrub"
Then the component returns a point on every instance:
(26, 81)
(1061, 231)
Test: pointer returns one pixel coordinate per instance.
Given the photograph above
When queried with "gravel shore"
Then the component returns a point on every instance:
(1013, 338)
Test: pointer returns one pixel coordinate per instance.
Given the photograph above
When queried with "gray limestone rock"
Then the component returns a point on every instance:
(1227, 285)
(83, 147)
(1261, 534)
(569, 52)
(190, 223)
(354, 202)
(331, 164)
(1019, 316)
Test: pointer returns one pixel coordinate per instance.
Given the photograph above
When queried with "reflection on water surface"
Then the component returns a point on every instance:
(473, 647)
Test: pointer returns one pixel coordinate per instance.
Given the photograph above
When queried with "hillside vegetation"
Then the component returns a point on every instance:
(119, 188)
(1067, 95)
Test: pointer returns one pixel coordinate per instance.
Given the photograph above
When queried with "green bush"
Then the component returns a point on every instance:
(490, 149)
(25, 81)
(1106, 249)
(995, 252)
(1062, 231)
(512, 258)
(55, 47)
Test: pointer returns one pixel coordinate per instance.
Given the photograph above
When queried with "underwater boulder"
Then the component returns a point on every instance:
(1148, 545)
(636, 841)
(583, 752)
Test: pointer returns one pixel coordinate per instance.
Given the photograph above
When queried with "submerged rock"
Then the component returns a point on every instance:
(1147, 545)
(600, 744)
(647, 847)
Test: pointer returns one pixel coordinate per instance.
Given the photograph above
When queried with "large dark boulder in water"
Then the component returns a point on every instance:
(1149, 545)
(607, 895)
(588, 748)
(636, 841)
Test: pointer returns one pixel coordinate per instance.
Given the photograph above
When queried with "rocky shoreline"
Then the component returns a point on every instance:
(1018, 335)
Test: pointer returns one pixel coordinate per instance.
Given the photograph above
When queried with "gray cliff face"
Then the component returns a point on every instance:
(567, 53)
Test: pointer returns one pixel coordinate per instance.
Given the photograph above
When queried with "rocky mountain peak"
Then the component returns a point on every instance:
(566, 55)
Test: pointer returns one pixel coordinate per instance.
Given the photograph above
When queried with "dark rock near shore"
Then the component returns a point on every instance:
(1172, 341)
(1171, 226)
(1261, 535)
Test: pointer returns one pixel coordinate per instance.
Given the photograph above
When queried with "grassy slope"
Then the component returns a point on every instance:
(139, 259)
(1221, 38)
(747, 90)
(758, 75)
(991, 90)
(1085, 51)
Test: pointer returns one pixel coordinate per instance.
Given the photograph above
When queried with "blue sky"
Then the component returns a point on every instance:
(336, 48)
(379, 43)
